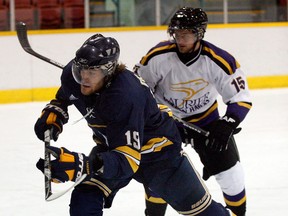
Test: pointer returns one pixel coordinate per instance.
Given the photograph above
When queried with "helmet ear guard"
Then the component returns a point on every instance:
(194, 19)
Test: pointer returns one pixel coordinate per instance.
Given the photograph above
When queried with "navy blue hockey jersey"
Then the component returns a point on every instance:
(125, 118)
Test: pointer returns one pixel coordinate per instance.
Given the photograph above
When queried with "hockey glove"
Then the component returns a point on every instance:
(181, 128)
(53, 116)
(186, 139)
(220, 133)
(68, 166)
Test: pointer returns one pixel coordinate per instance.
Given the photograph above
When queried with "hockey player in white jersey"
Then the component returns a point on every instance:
(188, 73)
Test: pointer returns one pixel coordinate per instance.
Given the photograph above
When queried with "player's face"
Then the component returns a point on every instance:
(92, 80)
(185, 40)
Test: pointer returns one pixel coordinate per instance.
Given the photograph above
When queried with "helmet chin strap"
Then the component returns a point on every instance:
(194, 48)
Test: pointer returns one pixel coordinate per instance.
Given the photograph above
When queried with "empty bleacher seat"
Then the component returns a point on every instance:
(48, 3)
(49, 14)
(73, 3)
(25, 12)
(73, 13)
(4, 21)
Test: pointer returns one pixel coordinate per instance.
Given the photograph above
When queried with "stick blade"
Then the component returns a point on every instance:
(47, 165)
(53, 196)
(21, 30)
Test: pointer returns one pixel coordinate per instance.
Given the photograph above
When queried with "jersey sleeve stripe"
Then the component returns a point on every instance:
(228, 67)
(156, 51)
(126, 150)
(133, 164)
(132, 156)
(244, 104)
(155, 145)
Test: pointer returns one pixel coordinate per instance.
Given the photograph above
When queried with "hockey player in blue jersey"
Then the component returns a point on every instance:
(134, 138)
(187, 74)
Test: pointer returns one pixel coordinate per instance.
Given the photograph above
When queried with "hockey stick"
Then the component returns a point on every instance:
(47, 165)
(54, 196)
(49, 196)
(192, 126)
(21, 30)
(23, 39)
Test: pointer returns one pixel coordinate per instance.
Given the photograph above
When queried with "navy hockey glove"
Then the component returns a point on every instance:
(53, 116)
(95, 159)
(68, 166)
(220, 133)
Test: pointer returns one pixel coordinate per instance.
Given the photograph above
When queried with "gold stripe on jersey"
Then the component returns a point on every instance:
(100, 185)
(244, 104)
(200, 116)
(165, 108)
(226, 65)
(155, 145)
(133, 157)
(156, 51)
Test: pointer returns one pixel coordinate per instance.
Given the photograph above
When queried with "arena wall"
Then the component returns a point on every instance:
(260, 48)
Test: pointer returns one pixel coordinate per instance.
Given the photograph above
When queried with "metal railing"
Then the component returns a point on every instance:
(159, 12)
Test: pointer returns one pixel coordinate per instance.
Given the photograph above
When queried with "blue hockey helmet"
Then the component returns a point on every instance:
(97, 52)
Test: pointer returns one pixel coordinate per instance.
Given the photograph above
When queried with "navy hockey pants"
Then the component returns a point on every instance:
(175, 180)
(89, 199)
(178, 183)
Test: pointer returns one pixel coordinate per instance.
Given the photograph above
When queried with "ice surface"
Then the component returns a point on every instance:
(263, 145)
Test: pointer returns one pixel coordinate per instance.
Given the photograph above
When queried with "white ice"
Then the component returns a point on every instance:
(263, 145)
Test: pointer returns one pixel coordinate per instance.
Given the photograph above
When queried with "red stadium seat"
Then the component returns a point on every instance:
(74, 17)
(49, 14)
(72, 3)
(47, 3)
(25, 12)
(4, 20)
(73, 13)
(49, 18)
(23, 3)
(26, 15)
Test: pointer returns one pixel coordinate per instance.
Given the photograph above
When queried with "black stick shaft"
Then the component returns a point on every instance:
(21, 30)
(192, 126)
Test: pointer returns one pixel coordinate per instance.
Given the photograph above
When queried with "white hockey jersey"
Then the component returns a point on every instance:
(191, 88)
